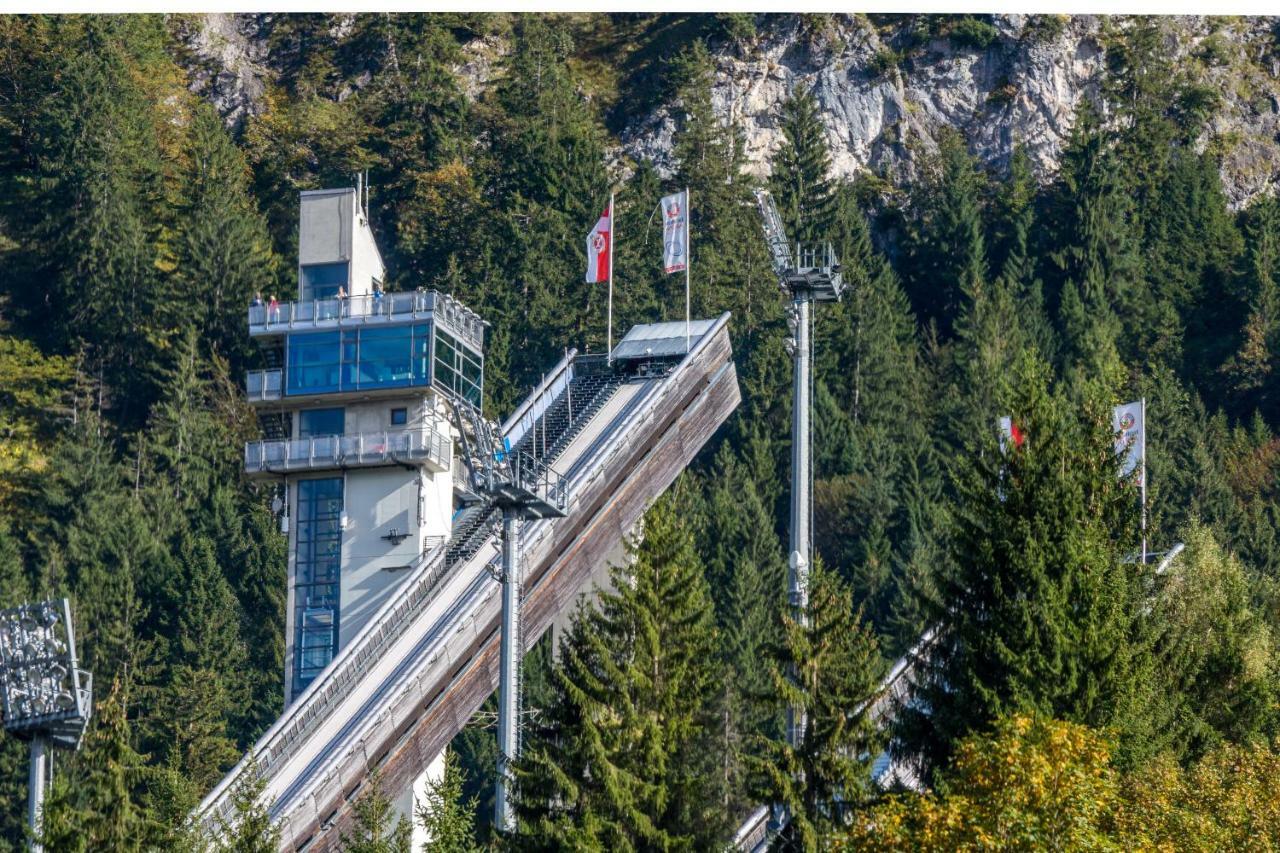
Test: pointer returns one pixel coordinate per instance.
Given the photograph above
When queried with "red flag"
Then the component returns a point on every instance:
(598, 248)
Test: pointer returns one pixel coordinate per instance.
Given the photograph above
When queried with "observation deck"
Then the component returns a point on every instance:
(367, 346)
(425, 446)
(367, 310)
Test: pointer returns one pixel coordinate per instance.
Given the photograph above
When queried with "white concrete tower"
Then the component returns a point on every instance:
(357, 430)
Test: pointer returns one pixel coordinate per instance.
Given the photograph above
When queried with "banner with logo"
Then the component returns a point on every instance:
(598, 253)
(675, 232)
(1129, 423)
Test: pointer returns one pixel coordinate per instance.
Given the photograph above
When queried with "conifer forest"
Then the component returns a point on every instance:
(1070, 697)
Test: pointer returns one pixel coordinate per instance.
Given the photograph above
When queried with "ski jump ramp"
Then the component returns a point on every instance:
(393, 698)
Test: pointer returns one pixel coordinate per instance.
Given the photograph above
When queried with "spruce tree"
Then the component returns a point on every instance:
(222, 253)
(1037, 609)
(801, 174)
(1248, 372)
(444, 815)
(250, 829)
(100, 804)
(946, 253)
(1096, 259)
(837, 667)
(374, 830)
(620, 758)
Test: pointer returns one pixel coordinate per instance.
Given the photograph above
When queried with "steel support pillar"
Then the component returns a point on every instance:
(509, 683)
(37, 784)
(801, 486)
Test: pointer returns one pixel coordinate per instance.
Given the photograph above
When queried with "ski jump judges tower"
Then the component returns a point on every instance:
(395, 493)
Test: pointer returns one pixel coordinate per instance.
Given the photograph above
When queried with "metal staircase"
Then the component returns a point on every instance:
(561, 423)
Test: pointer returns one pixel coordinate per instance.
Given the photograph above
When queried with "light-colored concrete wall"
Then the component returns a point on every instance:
(375, 415)
(377, 500)
(332, 228)
(366, 260)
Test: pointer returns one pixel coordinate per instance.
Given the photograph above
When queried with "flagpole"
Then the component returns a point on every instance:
(613, 232)
(1144, 481)
(688, 262)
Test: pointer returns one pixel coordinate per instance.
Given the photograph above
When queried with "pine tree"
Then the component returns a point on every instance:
(1037, 610)
(802, 166)
(92, 224)
(222, 252)
(1251, 367)
(837, 672)
(205, 681)
(250, 830)
(745, 571)
(1097, 260)
(947, 256)
(100, 805)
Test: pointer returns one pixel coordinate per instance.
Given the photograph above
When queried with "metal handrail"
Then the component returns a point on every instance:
(534, 533)
(362, 448)
(369, 306)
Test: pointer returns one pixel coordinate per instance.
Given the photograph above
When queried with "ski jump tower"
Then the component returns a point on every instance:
(358, 413)
(428, 547)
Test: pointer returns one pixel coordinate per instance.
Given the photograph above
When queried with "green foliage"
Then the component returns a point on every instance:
(828, 667)
(444, 815)
(375, 828)
(618, 758)
(1036, 611)
(973, 32)
(134, 226)
(802, 166)
(250, 829)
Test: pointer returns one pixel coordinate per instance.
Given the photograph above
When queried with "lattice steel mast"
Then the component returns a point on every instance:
(524, 487)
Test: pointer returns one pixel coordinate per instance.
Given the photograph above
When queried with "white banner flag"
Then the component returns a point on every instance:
(1129, 422)
(675, 232)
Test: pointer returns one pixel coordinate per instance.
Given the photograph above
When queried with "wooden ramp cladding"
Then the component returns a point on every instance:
(629, 455)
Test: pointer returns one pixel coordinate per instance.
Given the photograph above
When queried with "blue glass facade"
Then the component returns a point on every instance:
(382, 356)
(317, 563)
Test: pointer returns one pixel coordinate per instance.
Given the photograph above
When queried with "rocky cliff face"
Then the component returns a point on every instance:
(882, 111)
(885, 98)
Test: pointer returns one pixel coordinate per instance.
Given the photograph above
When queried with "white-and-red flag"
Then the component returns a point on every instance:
(1010, 433)
(598, 254)
(675, 232)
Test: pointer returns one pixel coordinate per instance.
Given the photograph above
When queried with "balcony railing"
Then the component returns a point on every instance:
(263, 385)
(417, 446)
(367, 308)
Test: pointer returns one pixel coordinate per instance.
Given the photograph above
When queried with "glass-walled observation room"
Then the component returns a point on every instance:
(384, 356)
